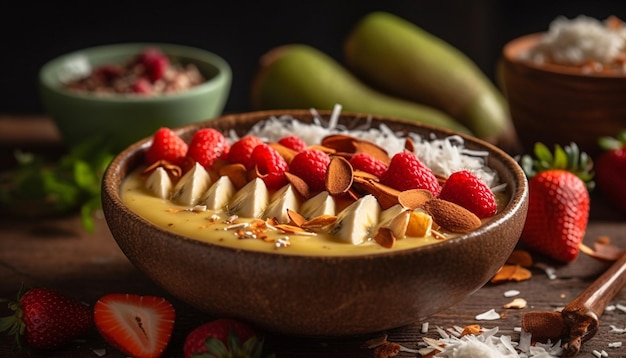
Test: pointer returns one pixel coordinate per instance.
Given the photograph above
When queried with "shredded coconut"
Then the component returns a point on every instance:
(443, 155)
(580, 41)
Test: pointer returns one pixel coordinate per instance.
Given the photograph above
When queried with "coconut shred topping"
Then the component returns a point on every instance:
(585, 42)
(442, 155)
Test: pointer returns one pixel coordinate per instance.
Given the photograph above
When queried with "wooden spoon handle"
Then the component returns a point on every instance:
(582, 314)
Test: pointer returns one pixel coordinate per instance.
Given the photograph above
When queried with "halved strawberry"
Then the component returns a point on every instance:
(140, 326)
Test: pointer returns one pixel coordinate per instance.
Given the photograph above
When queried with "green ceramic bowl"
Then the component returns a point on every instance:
(125, 119)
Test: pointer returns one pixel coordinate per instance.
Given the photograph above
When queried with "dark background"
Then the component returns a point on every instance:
(242, 31)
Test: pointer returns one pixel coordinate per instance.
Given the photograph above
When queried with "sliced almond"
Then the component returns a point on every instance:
(338, 176)
(386, 196)
(517, 303)
(339, 143)
(285, 152)
(452, 217)
(414, 198)
(295, 218)
(360, 174)
(409, 145)
(511, 273)
(299, 185)
(290, 229)
(237, 174)
(319, 222)
(473, 329)
(372, 149)
(385, 238)
(520, 257)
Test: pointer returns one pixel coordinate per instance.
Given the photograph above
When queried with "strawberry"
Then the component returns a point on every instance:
(223, 337)
(293, 142)
(311, 165)
(610, 169)
(206, 146)
(270, 165)
(367, 163)
(406, 172)
(558, 208)
(140, 326)
(467, 190)
(47, 319)
(241, 150)
(166, 145)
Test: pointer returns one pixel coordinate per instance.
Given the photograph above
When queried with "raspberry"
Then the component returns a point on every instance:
(311, 165)
(271, 165)
(155, 63)
(241, 150)
(467, 190)
(141, 86)
(166, 145)
(206, 146)
(293, 142)
(407, 172)
(365, 162)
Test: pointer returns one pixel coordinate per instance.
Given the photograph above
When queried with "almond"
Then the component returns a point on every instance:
(414, 198)
(452, 217)
(319, 222)
(300, 186)
(373, 150)
(386, 196)
(237, 173)
(338, 176)
(385, 238)
(285, 152)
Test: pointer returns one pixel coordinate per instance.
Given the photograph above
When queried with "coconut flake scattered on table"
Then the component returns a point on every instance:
(443, 155)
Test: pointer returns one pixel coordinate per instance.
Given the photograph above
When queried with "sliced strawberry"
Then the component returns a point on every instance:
(140, 326)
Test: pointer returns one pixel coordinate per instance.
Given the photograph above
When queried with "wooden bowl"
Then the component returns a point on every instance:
(559, 104)
(317, 295)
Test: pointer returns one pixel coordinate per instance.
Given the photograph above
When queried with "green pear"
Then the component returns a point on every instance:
(397, 57)
(300, 76)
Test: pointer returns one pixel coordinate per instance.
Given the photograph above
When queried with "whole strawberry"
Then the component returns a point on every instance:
(223, 338)
(610, 167)
(46, 319)
(206, 146)
(168, 146)
(558, 208)
(467, 190)
(406, 172)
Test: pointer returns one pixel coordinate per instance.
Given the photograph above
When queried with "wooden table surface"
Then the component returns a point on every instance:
(58, 253)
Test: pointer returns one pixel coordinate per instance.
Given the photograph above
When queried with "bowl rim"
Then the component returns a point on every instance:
(513, 48)
(111, 185)
(222, 77)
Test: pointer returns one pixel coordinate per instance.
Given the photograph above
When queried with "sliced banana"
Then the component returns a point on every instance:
(321, 204)
(192, 185)
(219, 194)
(159, 183)
(395, 218)
(283, 199)
(251, 200)
(355, 223)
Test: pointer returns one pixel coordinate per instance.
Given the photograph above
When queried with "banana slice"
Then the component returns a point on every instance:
(283, 199)
(395, 218)
(192, 185)
(251, 200)
(355, 223)
(321, 204)
(159, 183)
(219, 194)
